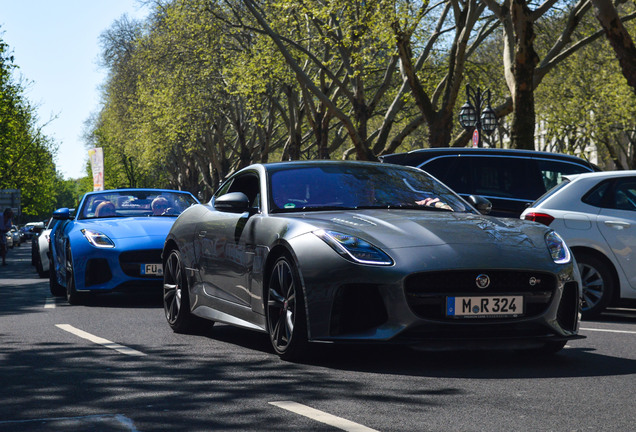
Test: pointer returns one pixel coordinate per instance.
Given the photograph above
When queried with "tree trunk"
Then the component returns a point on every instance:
(618, 38)
(525, 60)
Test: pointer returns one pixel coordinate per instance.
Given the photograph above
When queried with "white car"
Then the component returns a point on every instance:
(9, 239)
(595, 213)
(15, 234)
(42, 257)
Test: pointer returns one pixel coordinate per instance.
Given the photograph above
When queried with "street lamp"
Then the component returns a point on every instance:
(469, 117)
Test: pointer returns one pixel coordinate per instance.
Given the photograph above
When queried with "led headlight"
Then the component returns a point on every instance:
(354, 248)
(98, 239)
(558, 249)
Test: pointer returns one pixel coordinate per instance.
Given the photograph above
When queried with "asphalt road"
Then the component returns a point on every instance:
(115, 365)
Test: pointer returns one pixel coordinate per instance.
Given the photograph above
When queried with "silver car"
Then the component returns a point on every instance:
(339, 252)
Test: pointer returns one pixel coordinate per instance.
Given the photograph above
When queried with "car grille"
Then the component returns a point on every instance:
(130, 261)
(426, 292)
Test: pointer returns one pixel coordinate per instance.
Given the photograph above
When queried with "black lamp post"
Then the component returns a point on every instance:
(469, 114)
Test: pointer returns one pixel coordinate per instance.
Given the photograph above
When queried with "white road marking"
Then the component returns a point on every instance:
(322, 417)
(98, 340)
(63, 423)
(609, 330)
(50, 303)
(620, 309)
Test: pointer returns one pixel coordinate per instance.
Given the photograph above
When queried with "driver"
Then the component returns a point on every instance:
(159, 206)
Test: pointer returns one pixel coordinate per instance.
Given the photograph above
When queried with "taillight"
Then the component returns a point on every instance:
(543, 218)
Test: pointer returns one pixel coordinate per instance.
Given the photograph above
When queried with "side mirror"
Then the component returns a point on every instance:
(233, 202)
(482, 205)
(62, 214)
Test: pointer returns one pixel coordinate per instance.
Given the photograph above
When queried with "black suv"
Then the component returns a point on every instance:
(510, 179)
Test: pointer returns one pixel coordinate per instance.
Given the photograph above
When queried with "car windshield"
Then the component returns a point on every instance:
(359, 186)
(151, 203)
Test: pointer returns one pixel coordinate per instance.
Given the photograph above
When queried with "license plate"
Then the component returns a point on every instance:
(486, 306)
(152, 269)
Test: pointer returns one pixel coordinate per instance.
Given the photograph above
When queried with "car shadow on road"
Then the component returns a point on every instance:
(574, 361)
(147, 299)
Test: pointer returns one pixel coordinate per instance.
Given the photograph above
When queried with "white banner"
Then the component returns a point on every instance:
(97, 165)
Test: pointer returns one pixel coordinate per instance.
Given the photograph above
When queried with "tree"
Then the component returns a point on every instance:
(345, 63)
(618, 37)
(26, 161)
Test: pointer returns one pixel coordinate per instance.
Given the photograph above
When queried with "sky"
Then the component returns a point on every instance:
(56, 45)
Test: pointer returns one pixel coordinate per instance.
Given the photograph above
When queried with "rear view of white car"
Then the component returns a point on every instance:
(595, 214)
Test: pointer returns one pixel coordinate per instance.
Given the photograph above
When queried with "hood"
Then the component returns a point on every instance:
(132, 227)
(395, 229)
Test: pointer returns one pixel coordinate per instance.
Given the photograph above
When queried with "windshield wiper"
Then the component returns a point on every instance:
(325, 208)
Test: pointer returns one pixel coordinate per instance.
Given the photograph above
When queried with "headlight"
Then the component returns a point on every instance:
(98, 239)
(558, 249)
(354, 248)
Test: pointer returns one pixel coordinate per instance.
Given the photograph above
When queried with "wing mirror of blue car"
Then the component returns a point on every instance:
(233, 202)
(482, 205)
(62, 214)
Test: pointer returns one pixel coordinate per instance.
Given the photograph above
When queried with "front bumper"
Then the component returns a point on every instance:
(406, 304)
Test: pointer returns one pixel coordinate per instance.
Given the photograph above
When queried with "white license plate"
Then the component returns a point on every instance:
(484, 306)
(152, 269)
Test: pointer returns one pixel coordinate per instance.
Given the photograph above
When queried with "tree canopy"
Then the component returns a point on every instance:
(26, 154)
(201, 88)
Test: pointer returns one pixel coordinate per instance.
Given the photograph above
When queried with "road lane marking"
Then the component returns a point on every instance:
(322, 417)
(609, 330)
(56, 423)
(98, 340)
(50, 303)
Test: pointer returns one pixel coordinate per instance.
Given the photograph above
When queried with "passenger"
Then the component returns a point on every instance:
(105, 209)
(159, 206)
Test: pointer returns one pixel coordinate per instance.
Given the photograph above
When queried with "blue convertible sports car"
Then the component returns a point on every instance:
(114, 241)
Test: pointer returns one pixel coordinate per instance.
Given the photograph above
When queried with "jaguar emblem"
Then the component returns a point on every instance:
(482, 281)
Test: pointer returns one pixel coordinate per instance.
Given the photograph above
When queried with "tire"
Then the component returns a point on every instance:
(57, 290)
(176, 297)
(72, 296)
(285, 309)
(598, 284)
(39, 268)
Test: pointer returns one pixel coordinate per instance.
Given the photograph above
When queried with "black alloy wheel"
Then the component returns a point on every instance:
(598, 284)
(57, 290)
(286, 321)
(176, 299)
(72, 296)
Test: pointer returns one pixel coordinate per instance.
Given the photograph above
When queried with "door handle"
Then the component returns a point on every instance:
(617, 224)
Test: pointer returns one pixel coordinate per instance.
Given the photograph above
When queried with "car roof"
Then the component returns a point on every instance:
(602, 175)
(417, 157)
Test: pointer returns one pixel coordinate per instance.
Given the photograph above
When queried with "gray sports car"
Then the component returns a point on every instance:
(366, 252)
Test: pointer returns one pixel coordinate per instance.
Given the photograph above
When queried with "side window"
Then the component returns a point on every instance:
(597, 195)
(625, 194)
(552, 172)
(249, 185)
(224, 189)
(505, 177)
(445, 170)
